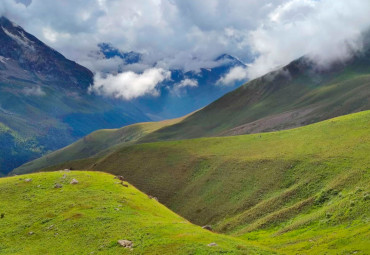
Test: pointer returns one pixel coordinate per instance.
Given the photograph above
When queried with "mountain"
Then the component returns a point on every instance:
(111, 52)
(44, 104)
(25, 58)
(304, 190)
(298, 94)
(83, 218)
(174, 99)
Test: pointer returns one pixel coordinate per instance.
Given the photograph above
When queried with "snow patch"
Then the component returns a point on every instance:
(21, 39)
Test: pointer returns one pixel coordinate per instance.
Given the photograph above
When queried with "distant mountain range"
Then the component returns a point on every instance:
(298, 94)
(173, 102)
(45, 104)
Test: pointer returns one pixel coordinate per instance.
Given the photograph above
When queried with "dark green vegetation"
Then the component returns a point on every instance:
(303, 190)
(33, 125)
(91, 216)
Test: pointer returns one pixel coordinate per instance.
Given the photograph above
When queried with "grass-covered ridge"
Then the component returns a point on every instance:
(301, 190)
(298, 94)
(91, 216)
(98, 142)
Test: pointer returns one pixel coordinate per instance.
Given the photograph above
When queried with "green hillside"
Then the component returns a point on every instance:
(303, 190)
(98, 142)
(296, 95)
(91, 216)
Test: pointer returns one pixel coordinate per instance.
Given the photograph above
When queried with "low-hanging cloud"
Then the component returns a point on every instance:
(325, 31)
(130, 85)
(179, 88)
(235, 74)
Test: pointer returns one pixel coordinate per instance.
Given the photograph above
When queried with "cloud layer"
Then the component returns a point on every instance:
(177, 34)
(325, 31)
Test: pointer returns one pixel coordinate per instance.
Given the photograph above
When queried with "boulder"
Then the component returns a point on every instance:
(125, 243)
(119, 177)
(58, 186)
(212, 244)
(28, 180)
(74, 181)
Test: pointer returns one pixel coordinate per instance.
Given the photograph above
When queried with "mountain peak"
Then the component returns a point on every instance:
(41, 63)
(231, 60)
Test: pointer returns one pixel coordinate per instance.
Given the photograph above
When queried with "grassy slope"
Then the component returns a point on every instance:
(101, 141)
(294, 96)
(305, 189)
(89, 218)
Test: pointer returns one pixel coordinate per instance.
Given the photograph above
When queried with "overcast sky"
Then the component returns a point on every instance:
(189, 34)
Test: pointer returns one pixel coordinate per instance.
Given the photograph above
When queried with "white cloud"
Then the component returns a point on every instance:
(179, 88)
(187, 83)
(129, 85)
(324, 30)
(235, 74)
(53, 36)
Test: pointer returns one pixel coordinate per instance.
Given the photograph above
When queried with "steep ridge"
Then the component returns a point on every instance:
(24, 56)
(301, 93)
(91, 216)
(269, 187)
